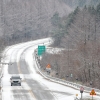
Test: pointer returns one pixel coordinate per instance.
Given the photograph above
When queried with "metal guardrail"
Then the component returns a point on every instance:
(64, 82)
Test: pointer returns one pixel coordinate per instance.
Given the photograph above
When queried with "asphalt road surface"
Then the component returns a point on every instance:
(33, 86)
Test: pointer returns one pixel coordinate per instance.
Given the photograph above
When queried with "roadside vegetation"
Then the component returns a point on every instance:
(79, 35)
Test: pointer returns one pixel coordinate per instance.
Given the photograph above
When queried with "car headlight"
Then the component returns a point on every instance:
(11, 81)
(19, 81)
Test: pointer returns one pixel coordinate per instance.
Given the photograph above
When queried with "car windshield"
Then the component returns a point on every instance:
(15, 77)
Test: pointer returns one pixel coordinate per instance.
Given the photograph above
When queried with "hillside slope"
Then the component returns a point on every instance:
(80, 3)
(29, 18)
(79, 35)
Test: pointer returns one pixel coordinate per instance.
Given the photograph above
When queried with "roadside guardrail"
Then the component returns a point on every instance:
(63, 82)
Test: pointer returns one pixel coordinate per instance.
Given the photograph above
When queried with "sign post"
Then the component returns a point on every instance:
(81, 91)
(92, 93)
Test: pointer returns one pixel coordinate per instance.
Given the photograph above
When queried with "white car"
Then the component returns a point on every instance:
(15, 80)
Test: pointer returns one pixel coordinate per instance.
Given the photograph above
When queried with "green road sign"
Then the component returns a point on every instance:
(41, 50)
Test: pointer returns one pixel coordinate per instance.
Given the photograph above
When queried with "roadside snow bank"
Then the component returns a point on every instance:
(54, 50)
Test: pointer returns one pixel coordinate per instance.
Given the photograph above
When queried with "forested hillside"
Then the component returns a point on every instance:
(79, 35)
(81, 3)
(25, 20)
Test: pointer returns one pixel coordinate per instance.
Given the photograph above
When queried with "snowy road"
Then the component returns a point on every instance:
(34, 86)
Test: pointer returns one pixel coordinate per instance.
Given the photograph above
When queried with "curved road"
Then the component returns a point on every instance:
(34, 86)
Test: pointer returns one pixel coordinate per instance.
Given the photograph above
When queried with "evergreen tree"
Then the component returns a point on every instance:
(98, 9)
(71, 17)
(98, 13)
(92, 10)
(76, 10)
(55, 20)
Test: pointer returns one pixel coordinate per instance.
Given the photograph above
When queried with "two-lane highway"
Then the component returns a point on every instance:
(34, 86)
(30, 89)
